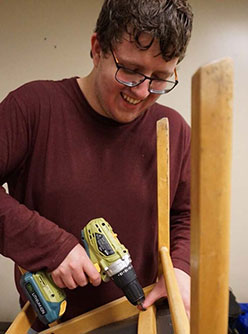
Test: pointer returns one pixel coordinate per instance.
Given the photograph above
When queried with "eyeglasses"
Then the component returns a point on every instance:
(133, 78)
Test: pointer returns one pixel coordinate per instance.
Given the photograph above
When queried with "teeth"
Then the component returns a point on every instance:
(130, 99)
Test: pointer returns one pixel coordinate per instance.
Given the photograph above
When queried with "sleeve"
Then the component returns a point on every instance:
(180, 212)
(30, 240)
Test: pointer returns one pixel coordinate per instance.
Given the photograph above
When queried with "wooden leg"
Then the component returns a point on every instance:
(147, 321)
(178, 314)
(210, 205)
(115, 311)
(163, 183)
(23, 321)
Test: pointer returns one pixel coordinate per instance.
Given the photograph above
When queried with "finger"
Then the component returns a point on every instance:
(93, 274)
(157, 292)
(63, 278)
(95, 280)
(80, 278)
(183, 280)
(69, 282)
(58, 281)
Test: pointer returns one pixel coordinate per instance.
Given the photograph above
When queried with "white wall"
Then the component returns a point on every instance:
(46, 39)
(50, 40)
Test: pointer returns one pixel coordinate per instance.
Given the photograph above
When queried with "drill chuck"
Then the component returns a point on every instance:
(128, 282)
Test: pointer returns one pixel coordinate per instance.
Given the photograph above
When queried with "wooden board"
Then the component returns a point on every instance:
(163, 187)
(212, 89)
(115, 311)
(147, 321)
(178, 314)
(23, 321)
(163, 183)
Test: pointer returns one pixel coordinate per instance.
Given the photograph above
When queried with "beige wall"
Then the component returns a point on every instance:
(49, 39)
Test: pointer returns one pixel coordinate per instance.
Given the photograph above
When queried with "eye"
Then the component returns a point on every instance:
(163, 77)
(127, 70)
(158, 78)
(130, 69)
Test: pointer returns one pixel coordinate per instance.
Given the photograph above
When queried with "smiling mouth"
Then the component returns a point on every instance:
(130, 99)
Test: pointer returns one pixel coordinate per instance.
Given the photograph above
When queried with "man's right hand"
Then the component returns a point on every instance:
(76, 270)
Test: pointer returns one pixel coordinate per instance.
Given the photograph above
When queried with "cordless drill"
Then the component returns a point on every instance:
(109, 256)
(111, 259)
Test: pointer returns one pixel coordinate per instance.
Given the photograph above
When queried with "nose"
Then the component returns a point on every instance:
(141, 91)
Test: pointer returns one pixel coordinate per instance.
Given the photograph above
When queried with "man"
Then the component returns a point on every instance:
(83, 148)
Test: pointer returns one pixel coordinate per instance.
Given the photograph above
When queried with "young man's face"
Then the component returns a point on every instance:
(116, 101)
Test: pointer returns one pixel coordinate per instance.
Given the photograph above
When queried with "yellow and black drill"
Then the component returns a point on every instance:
(109, 256)
(111, 259)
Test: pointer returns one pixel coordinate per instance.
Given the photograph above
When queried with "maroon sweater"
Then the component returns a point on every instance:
(65, 165)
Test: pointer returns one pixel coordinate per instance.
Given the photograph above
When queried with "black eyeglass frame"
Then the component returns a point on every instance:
(145, 77)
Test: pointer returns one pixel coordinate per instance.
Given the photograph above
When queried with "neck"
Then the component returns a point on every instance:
(86, 84)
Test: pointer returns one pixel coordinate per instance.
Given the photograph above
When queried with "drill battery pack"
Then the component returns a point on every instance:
(48, 301)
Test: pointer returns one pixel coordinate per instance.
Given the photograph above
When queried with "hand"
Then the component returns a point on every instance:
(184, 281)
(76, 270)
(159, 290)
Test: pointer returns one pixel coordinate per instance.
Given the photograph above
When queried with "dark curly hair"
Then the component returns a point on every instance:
(168, 21)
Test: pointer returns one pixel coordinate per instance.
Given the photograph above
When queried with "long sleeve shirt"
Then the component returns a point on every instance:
(65, 164)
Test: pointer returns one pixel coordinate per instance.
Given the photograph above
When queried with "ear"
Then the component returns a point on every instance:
(95, 49)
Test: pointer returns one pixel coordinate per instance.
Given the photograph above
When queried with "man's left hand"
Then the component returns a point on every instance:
(159, 291)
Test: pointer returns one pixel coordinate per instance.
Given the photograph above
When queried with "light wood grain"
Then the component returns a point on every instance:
(212, 88)
(178, 314)
(163, 184)
(23, 321)
(147, 321)
(115, 311)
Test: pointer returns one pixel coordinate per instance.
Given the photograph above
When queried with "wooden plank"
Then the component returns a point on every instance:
(163, 185)
(147, 321)
(212, 87)
(23, 321)
(115, 311)
(178, 314)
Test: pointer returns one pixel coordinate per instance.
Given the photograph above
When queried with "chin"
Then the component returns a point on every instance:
(126, 119)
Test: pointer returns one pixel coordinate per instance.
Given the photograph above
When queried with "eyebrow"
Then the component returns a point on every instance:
(127, 63)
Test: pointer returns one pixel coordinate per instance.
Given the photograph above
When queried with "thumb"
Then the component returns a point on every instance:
(157, 292)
